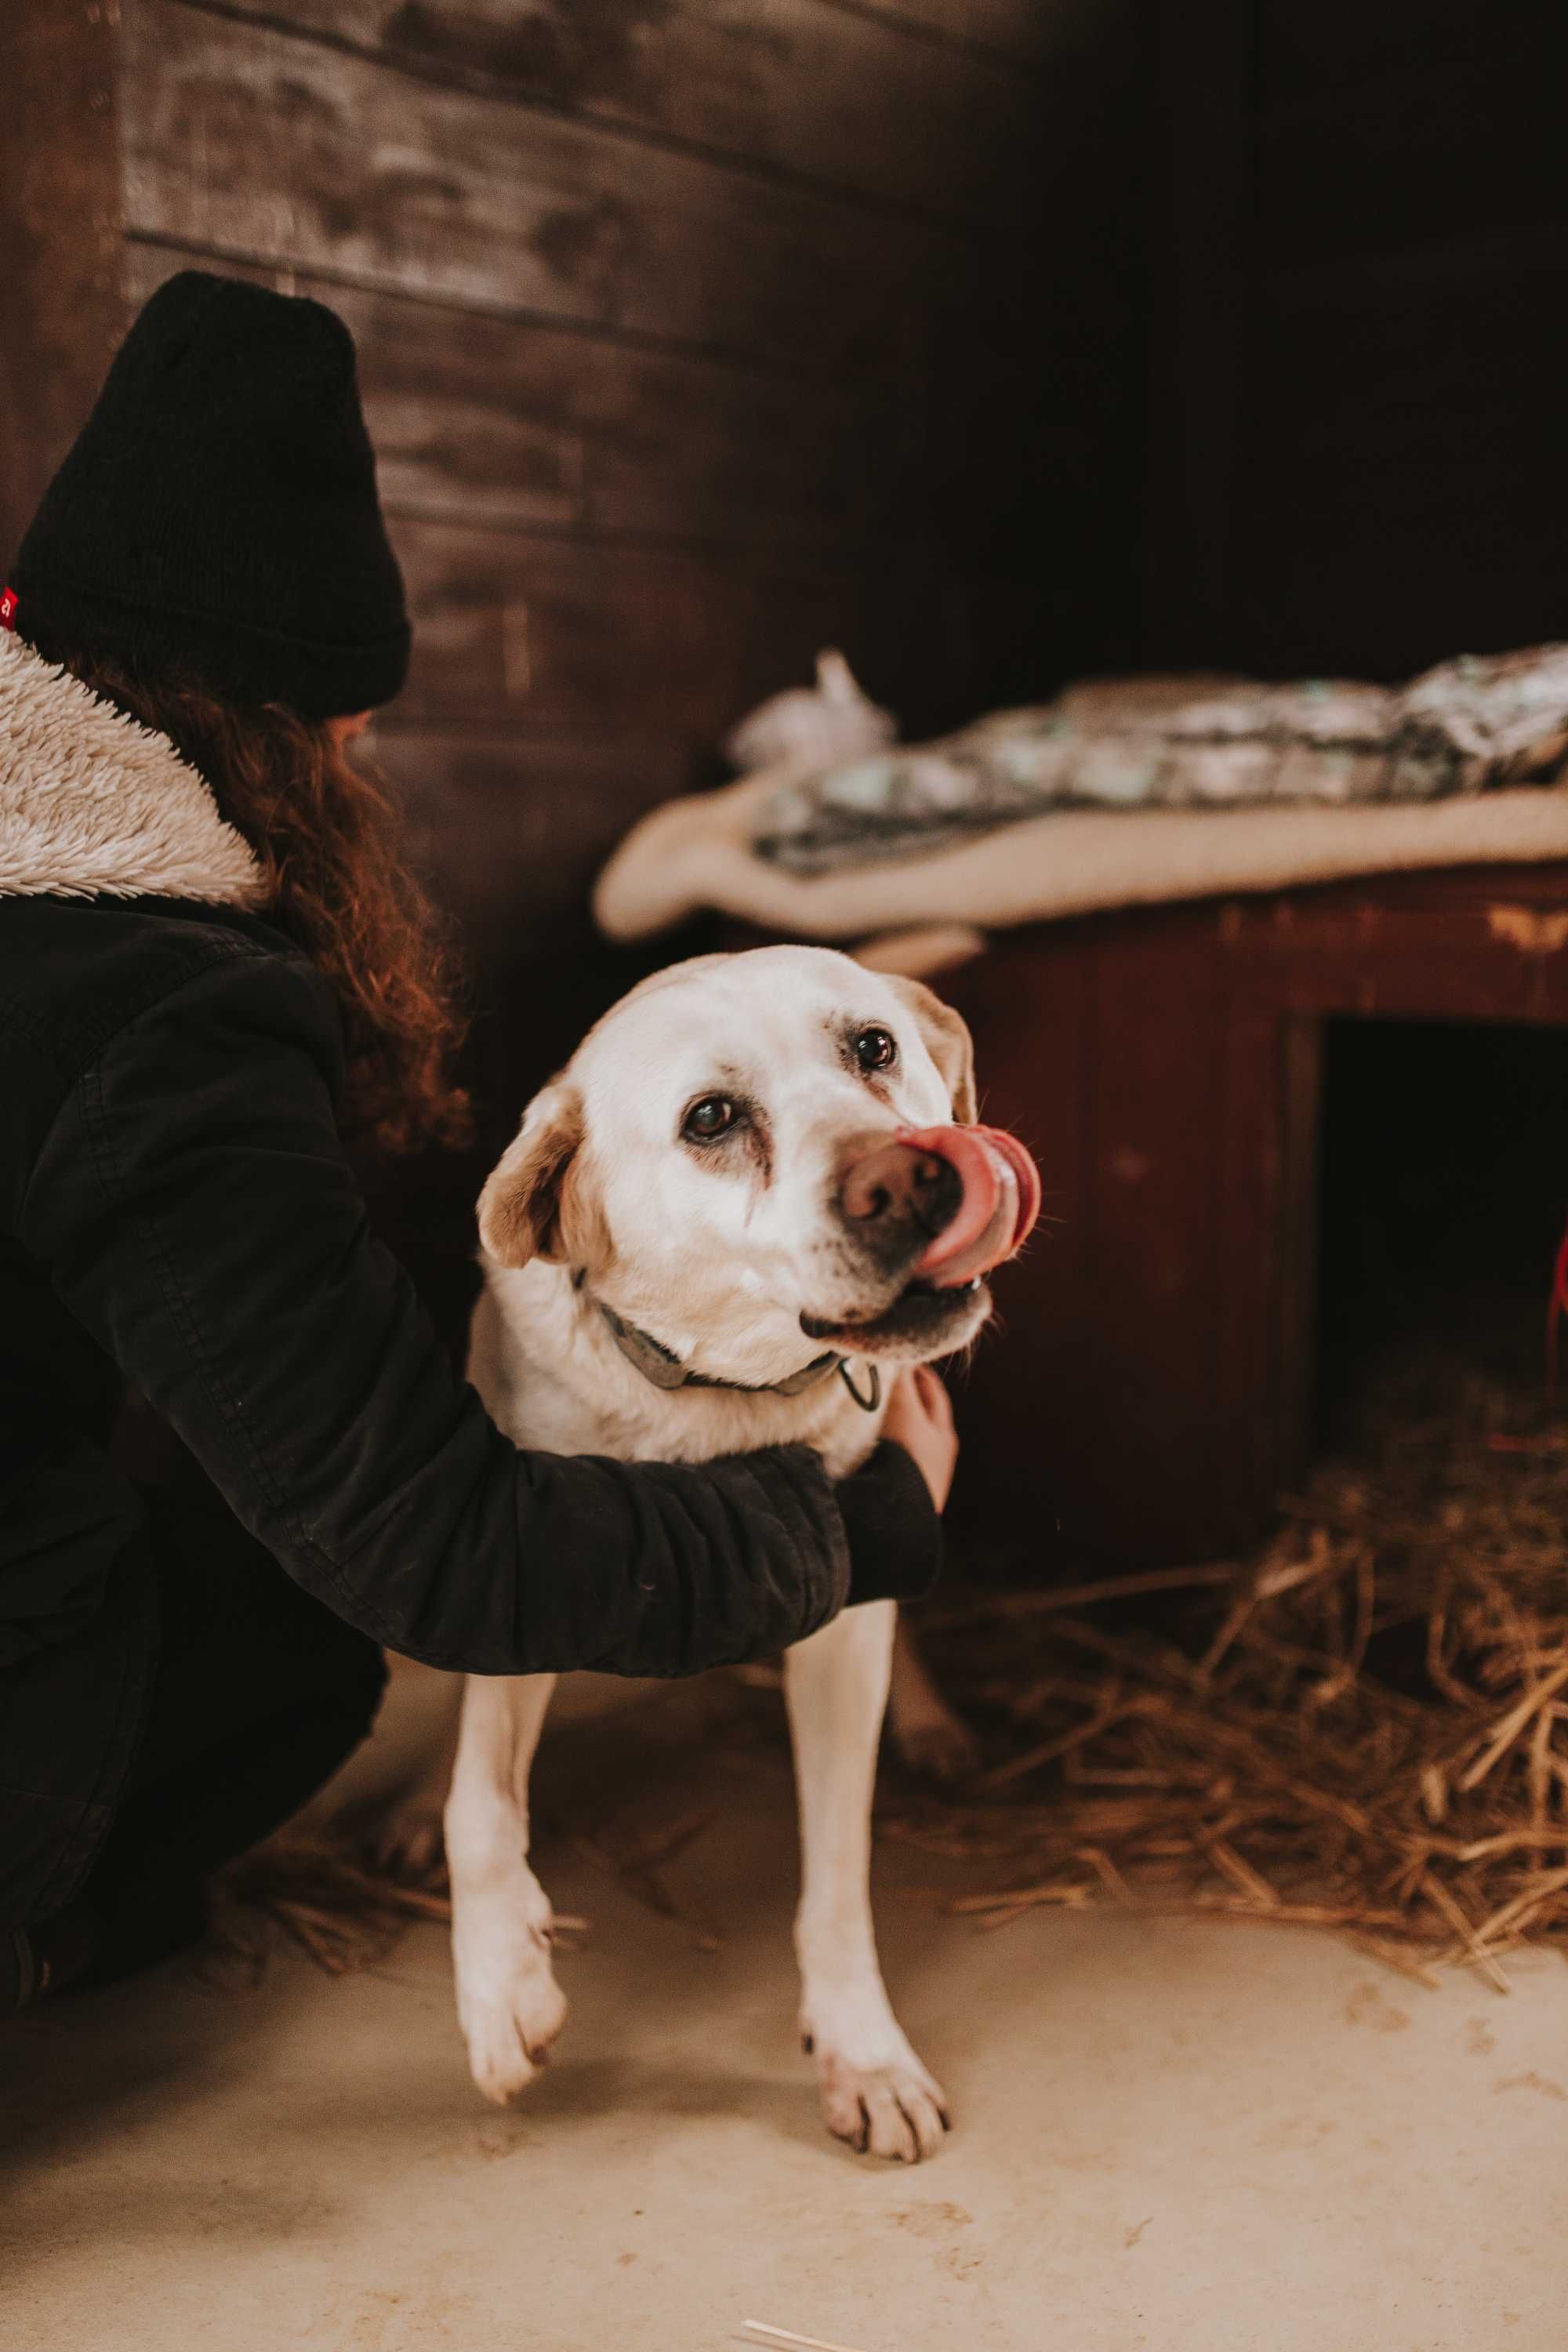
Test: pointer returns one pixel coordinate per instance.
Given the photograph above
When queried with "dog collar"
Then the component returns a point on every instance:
(662, 1367)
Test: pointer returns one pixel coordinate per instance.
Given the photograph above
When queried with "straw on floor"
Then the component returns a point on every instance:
(345, 1899)
(1363, 1727)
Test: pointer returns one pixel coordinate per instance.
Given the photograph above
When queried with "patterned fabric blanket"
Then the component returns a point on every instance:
(1465, 728)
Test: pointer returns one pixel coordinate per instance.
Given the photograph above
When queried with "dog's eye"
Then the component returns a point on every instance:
(714, 1115)
(875, 1049)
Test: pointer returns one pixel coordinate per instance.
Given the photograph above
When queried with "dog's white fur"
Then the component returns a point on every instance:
(719, 1261)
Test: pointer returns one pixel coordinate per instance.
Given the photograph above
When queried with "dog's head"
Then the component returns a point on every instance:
(753, 1149)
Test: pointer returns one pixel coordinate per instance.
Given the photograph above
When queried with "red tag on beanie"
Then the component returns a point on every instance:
(7, 608)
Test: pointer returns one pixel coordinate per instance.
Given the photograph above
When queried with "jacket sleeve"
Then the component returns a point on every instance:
(198, 1213)
(893, 1527)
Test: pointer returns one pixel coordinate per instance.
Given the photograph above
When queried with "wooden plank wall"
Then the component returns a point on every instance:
(695, 334)
(1361, 265)
(61, 311)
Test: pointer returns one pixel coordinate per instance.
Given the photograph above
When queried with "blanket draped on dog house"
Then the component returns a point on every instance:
(1127, 794)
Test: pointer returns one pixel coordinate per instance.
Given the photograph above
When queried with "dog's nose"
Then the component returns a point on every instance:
(898, 1184)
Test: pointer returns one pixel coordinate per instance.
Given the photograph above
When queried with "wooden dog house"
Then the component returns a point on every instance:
(1158, 1383)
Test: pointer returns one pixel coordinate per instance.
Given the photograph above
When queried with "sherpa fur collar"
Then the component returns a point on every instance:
(93, 805)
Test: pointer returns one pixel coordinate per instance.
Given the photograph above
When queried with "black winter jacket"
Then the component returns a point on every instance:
(176, 1211)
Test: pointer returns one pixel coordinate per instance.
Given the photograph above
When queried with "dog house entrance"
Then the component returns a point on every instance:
(1443, 1192)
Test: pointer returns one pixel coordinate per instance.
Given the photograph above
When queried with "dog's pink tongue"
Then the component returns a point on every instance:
(1000, 1202)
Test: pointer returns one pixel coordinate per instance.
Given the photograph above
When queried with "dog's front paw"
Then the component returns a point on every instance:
(509, 2004)
(509, 2040)
(884, 2103)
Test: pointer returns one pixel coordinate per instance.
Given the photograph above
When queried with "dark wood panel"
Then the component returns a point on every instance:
(1200, 301)
(1264, 1215)
(1089, 1417)
(1407, 466)
(510, 830)
(1033, 31)
(59, 214)
(1020, 1398)
(245, 141)
(1469, 945)
(559, 633)
(1308, 48)
(1157, 1117)
(510, 422)
(845, 100)
(1356, 450)
(1430, 154)
(566, 635)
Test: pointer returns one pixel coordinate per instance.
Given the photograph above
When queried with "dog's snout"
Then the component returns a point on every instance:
(896, 1184)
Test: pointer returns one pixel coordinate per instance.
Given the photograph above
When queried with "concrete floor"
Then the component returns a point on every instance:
(1189, 2138)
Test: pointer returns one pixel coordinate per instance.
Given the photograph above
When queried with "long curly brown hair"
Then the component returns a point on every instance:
(327, 833)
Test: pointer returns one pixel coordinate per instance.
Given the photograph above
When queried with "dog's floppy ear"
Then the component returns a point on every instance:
(519, 1208)
(947, 1041)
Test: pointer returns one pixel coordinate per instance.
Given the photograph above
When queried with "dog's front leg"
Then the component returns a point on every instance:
(509, 2004)
(874, 2092)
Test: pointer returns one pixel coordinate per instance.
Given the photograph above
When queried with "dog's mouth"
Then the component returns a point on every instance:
(990, 1201)
(998, 1201)
(924, 1314)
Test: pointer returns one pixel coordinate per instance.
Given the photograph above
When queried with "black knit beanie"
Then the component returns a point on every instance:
(217, 512)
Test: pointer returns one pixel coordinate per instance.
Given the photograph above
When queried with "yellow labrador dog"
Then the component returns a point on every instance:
(757, 1183)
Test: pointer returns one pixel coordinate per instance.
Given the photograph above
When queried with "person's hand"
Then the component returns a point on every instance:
(920, 1419)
